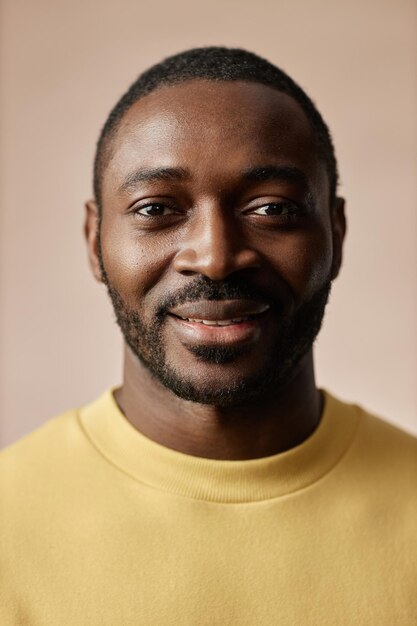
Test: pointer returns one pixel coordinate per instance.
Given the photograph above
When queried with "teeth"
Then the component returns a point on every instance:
(217, 322)
(225, 322)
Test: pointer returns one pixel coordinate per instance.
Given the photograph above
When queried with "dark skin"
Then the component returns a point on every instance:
(211, 219)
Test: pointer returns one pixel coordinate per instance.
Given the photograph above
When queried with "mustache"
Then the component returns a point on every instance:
(232, 288)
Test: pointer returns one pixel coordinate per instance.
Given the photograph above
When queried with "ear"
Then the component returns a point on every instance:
(338, 234)
(91, 226)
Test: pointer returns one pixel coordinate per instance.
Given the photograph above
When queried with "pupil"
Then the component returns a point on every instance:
(274, 209)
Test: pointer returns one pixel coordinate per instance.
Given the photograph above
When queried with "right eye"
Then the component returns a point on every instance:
(154, 210)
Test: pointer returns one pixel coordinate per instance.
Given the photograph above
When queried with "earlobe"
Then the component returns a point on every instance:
(91, 226)
(338, 234)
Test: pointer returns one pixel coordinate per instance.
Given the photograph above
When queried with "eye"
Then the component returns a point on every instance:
(154, 210)
(284, 209)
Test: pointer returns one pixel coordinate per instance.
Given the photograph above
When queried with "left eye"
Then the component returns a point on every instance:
(154, 210)
(277, 208)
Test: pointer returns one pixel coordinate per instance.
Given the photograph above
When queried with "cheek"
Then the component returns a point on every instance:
(133, 266)
(305, 261)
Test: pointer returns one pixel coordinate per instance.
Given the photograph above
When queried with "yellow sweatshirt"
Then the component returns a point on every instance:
(100, 526)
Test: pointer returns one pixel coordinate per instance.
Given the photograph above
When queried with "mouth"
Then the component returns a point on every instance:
(219, 323)
(219, 311)
(230, 322)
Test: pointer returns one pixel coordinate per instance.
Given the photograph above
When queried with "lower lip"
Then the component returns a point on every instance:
(234, 334)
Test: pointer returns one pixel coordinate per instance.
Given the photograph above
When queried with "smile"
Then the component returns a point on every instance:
(219, 322)
(219, 312)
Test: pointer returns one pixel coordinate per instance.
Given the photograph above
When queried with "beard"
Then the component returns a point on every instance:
(295, 337)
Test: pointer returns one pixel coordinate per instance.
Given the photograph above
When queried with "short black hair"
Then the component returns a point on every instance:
(218, 64)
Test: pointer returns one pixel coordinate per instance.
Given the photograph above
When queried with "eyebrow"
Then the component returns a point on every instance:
(153, 175)
(284, 173)
(281, 173)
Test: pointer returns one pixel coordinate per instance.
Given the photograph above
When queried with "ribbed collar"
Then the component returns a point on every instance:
(213, 480)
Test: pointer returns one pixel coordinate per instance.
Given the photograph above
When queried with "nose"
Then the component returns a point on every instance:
(215, 246)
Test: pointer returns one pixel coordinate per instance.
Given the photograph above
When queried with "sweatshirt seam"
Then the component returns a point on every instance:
(99, 449)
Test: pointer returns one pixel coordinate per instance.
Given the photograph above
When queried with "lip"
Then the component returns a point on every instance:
(219, 310)
(235, 334)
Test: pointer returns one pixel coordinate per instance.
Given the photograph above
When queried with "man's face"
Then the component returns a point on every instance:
(216, 240)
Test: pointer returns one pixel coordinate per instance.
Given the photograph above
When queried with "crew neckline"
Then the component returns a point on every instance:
(218, 480)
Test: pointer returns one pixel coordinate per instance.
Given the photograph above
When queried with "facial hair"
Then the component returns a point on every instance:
(295, 337)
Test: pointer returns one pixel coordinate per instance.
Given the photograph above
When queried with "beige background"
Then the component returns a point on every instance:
(63, 66)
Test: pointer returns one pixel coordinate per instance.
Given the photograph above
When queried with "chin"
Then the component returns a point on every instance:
(238, 394)
(222, 384)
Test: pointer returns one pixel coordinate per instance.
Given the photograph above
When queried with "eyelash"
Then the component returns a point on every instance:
(294, 211)
(137, 210)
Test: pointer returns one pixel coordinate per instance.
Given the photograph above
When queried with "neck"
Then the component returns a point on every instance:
(266, 427)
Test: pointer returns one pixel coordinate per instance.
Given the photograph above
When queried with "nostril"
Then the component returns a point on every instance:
(215, 248)
(187, 272)
(217, 268)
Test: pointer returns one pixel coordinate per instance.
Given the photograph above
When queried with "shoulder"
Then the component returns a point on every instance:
(381, 452)
(379, 435)
(42, 457)
(59, 429)
(380, 429)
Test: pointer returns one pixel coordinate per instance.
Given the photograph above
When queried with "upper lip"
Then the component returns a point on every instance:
(218, 309)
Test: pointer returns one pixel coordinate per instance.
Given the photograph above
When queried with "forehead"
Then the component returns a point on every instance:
(213, 128)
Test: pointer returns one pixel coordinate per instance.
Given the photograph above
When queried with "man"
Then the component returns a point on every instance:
(218, 485)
